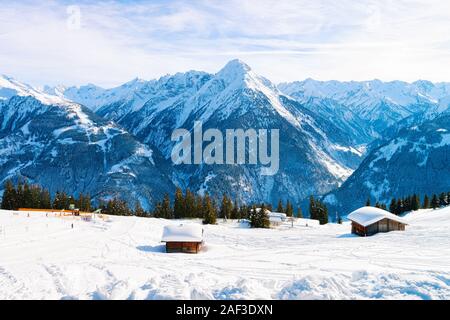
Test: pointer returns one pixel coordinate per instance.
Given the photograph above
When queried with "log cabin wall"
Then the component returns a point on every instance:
(384, 225)
(183, 247)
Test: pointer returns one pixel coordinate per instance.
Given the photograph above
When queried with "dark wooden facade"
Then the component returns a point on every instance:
(384, 225)
(183, 247)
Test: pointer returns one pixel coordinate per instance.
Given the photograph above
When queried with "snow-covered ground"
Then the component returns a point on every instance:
(44, 258)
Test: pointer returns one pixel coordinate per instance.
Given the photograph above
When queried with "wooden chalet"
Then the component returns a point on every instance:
(368, 221)
(185, 238)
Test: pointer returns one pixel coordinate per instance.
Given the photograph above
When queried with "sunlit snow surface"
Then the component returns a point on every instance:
(44, 258)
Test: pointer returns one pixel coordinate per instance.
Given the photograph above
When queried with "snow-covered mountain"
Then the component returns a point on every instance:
(65, 146)
(378, 104)
(316, 155)
(416, 160)
(325, 127)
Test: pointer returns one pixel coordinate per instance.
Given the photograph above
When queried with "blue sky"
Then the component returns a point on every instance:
(115, 41)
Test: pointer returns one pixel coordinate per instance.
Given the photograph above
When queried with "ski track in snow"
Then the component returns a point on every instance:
(44, 258)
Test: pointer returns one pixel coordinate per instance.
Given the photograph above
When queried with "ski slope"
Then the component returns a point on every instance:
(122, 258)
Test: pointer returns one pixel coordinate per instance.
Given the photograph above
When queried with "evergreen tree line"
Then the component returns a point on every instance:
(32, 196)
(190, 205)
(288, 209)
(118, 207)
(185, 205)
(413, 202)
(318, 210)
(437, 201)
(405, 204)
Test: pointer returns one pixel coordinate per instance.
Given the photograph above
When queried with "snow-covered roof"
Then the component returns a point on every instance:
(366, 216)
(277, 215)
(275, 219)
(183, 233)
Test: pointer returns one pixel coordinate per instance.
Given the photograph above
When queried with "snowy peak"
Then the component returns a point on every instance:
(238, 73)
(10, 87)
(234, 70)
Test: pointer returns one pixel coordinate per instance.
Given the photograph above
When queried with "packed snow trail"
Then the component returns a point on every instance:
(44, 258)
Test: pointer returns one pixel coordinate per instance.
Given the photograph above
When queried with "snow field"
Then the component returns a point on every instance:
(122, 258)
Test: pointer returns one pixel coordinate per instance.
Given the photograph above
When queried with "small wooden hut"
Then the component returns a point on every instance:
(186, 238)
(368, 221)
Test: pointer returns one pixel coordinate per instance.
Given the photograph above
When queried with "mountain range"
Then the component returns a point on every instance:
(117, 141)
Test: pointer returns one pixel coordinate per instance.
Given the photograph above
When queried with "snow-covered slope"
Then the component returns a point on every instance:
(65, 146)
(123, 258)
(416, 160)
(316, 155)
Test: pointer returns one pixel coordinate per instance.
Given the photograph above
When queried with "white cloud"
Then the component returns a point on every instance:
(283, 40)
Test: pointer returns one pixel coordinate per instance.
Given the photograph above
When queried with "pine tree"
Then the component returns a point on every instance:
(399, 209)
(235, 211)
(87, 203)
(252, 216)
(407, 204)
(426, 202)
(65, 201)
(289, 209)
(35, 201)
(415, 202)
(166, 209)
(58, 201)
(138, 210)
(244, 212)
(9, 200)
(323, 213)
(312, 209)
(46, 201)
(264, 220)
(393, 206)
(79, 202)
(110, 207)
(280, 206)
(443, 199)
(118, 207)
(189, 204)
(27, 201)
(318, 210)
(19, 193)
(199, 207)
(178, 205)
(226, 207)
(209, 212)
(157, 212)
(435, 202)
(368, 202)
